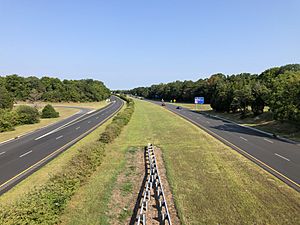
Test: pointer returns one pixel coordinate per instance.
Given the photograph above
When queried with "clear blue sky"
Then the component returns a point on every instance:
(135, 43)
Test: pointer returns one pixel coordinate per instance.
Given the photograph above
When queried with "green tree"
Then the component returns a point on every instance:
(260, 93)
(6, 101)
(285, 97)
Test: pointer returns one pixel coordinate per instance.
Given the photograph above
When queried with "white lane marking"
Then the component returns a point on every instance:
(97, 117)
(282, 157)
(69, 123)
(1, 153)
(268, 140)
(89, 121)
(243, 138)
(25, 154)
(207, 121)
(77, 128)
(59, 137)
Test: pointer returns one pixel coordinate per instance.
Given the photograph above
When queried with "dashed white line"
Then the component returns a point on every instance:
(207, 121)
(77, 128)
(243, 138)
(282, 157)
(268, 140)
(59, 137)
(89, 121)
(25, 154)
(97, 117)
(1, 153)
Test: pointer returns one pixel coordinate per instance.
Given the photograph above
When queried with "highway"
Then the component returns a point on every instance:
(279, 157)
(21, 157)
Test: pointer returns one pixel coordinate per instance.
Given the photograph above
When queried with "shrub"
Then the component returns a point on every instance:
(49, 112)
(120, 120)
(8, 120)
(27, 115)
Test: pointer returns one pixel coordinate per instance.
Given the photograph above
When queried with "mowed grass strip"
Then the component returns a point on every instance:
(211, 183)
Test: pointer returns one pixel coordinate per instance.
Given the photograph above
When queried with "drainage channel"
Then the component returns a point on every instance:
(152, 204)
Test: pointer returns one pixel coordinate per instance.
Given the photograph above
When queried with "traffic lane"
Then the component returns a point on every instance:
(267, 154)
(253, 138)
(18, 161)
(14, 150)
(25, 138)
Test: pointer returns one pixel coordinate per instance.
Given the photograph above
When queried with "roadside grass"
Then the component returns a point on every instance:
(41, 176)
(263, 122)
(63, 114)
(211, 183)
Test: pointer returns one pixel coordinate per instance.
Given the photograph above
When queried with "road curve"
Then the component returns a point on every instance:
(21, 157)
(279, 157)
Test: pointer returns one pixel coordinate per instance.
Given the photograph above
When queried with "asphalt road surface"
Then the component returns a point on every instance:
(23, 156)
(279, 157)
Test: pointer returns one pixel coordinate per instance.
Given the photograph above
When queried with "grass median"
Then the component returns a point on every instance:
(211, 183)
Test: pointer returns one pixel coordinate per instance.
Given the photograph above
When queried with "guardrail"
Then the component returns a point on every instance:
(153, 182)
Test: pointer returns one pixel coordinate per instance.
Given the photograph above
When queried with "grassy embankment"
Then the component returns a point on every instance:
(263, 122)
(63, 112)
(212, 184)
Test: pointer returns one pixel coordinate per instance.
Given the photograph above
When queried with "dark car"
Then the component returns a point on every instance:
(163, 104)
(178, 107)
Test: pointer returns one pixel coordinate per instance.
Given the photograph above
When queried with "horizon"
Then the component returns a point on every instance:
(132, 44)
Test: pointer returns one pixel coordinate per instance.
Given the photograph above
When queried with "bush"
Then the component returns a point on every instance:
(49, 112)
(120, 120)
(8, 120)
(27, 115)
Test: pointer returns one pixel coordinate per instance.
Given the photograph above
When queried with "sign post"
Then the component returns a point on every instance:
(199, 100)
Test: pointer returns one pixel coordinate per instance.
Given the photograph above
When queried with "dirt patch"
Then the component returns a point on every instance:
(127, 187)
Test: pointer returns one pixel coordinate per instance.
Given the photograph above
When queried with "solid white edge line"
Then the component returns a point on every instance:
(282, 157)
(25, 153)
(89, 112)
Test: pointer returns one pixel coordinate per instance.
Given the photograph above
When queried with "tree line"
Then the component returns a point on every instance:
(52, 89)
(278, 88)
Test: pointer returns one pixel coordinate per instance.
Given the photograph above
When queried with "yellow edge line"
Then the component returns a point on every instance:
(58, 150)
(251, 156)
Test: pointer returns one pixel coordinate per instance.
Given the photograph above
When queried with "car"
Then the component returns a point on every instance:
(163, 104)
(178, 107)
